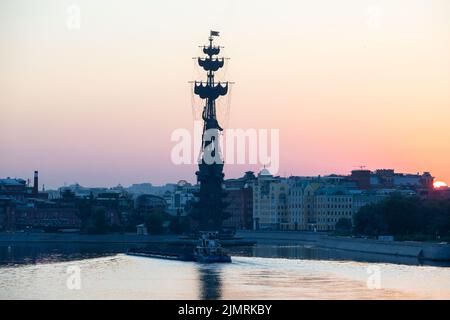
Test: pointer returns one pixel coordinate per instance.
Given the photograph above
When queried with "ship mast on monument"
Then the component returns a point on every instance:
(210, 205)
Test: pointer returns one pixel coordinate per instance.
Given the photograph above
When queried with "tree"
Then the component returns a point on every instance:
(98, 222)
(344, 226)
(93, 218)
(85, 209)
(406, 218)
(68, 194)
(179, 224)
(154, 221)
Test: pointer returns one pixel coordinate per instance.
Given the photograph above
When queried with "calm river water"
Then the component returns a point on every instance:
(261, 272)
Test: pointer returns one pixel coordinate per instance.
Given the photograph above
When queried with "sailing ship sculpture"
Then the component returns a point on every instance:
(209, 209)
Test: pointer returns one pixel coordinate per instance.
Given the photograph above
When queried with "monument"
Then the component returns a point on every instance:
(210, 205)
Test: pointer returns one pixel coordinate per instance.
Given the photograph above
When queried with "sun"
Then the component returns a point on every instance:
(439, 184)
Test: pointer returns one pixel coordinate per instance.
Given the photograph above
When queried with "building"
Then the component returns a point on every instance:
(7, 212)
(179, 199)
(49, 217)
(330, 205)
(81, 192)
(262, 202)
(283, 203)
(263, 217)
(148, 188)
(318, 203)
(279, 211)
(388, 178)
(239, 200)
(16, 189)
(19, 189)
(149, 202)
(239, 208)
(362, 178)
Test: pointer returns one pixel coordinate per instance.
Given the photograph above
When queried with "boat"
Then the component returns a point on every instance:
(207, 250)
(160, 255)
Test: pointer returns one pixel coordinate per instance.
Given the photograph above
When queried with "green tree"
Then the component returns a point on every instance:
(154, 221)
(406, 218)
(179, 224)
(98, 222)
(85, 209)
(68, 194)
(344, 226)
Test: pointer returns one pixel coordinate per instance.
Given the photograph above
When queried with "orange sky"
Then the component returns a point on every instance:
(348, 83)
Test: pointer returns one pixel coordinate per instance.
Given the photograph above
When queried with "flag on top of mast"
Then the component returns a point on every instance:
(214, 33)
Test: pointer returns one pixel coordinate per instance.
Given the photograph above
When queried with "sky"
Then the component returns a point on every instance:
(347, 83)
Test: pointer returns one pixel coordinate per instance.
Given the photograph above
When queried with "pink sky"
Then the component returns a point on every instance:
(348, 83)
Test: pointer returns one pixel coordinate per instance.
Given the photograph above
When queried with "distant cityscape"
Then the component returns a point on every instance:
(255, 202)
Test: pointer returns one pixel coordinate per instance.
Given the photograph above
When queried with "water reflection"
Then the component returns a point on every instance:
(36, 253)
(129, 277)
(210, 282)
(308, 252)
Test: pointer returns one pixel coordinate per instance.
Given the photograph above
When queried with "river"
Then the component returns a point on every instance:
(47, 271)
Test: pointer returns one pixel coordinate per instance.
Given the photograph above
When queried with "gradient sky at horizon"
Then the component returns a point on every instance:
(348, 83)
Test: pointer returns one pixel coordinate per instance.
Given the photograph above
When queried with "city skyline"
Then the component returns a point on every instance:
(40, 186)
(246, 152)
(365, 83)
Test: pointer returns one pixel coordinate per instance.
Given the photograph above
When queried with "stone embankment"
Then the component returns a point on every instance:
(421, 250)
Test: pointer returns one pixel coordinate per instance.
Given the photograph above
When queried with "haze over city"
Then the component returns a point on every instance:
(348, 83)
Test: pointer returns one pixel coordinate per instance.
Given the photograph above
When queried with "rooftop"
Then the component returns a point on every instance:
(12, 182)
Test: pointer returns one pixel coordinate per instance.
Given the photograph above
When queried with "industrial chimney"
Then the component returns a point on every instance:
(36, 183)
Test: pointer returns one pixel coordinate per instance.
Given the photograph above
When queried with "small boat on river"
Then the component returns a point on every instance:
(207, 250)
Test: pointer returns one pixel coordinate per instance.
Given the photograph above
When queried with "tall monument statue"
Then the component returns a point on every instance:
(210, 205)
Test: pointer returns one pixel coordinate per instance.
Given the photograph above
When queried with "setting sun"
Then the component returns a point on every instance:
(439, 184)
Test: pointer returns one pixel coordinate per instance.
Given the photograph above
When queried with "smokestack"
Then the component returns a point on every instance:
(36, 183)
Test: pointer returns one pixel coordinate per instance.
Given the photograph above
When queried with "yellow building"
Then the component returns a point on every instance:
(304, 203)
